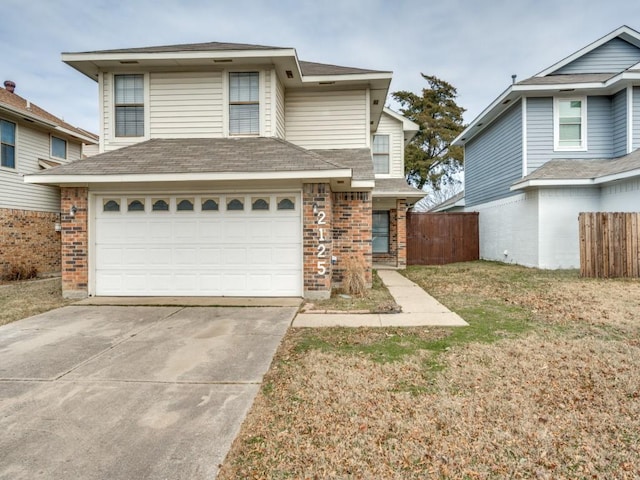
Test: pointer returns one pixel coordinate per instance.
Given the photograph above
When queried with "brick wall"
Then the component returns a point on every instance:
(401, 229)
(352, 220)
(75, 268)
(317, 240)
(28, 240)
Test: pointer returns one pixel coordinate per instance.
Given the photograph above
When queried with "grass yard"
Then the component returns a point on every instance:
(31, 297)
(544, 384)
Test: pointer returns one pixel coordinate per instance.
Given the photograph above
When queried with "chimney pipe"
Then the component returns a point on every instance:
(513, 78)
(10, 86)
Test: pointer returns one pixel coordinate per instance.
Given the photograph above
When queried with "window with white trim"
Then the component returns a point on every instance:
(570, 124)
(58, 147)
(244, 103)
(129, 105)
(7, 144)
(380, 151)
(380, 231)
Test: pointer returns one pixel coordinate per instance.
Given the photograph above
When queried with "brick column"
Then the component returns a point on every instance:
(401, 226)
(75, 242)
(317, 244)
(352, 231)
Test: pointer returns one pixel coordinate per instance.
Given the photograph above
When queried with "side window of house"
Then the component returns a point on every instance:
(129, 105)
(570, 124)
(380, 150)
(58, 147)
(7, 144)
(380, 232)
(244, 106)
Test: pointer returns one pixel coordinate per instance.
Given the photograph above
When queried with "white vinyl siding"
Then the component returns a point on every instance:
(323, 119)
(185, 105)
(636, 117)
(31, 146)
(278, 108)
(393, 128)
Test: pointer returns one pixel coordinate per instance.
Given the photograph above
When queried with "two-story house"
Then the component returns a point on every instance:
(32, 139)
(549, 147)
(232, 170)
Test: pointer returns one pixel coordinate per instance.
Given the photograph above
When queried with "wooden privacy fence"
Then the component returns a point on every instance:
(440, 238)
(609, 244)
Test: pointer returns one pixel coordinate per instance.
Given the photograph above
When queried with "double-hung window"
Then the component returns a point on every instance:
(244, 103)
(380, 150)
(129, 105)
(570, 122)
(380, 232)
(7, 144)
(58, 147)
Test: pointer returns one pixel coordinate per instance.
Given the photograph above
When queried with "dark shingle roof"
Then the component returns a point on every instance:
(200, 155)
(396, 185)
(568, 79)
(312, 68)
(357, 159)
(570, 169)
(190, 47)
(31, 109)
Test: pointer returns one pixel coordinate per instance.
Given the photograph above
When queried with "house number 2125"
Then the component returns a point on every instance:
(321, 250)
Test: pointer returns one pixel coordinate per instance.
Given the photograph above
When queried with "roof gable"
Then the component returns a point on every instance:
(619, 43)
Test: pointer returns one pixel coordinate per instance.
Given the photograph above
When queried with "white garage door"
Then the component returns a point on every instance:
(199, 245)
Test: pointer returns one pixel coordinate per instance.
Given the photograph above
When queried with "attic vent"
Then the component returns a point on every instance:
(326, 83)
(128, 62)
(289, 73)
(222, 60)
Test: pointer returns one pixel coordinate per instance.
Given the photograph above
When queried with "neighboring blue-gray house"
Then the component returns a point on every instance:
(549, 147)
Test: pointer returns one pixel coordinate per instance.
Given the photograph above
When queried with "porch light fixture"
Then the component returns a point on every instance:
(72, 211)
(315, 208)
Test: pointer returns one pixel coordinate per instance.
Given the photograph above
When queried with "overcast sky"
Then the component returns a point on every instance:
(476, 45)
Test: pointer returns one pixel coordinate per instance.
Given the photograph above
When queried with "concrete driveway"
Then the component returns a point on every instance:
(130, 392)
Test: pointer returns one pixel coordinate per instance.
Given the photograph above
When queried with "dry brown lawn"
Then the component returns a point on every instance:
(544, 384)
(30, 297)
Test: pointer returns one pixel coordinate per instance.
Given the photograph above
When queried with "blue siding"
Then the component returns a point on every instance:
(636, 117)
(619, 120)
(493, 159)
(614, 56)
(540, 131)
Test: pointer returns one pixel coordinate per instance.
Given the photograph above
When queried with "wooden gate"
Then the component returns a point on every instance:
(440, 238)
(609, 244)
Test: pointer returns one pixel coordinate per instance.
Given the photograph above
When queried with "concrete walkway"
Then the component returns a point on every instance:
(418, 309)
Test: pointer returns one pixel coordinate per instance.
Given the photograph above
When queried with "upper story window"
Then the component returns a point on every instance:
(129, 105)
(244, 105)
(7, 144)
(570, 124)
(380, 150)
(58, 147)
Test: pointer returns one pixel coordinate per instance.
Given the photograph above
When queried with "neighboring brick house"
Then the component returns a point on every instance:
(31, 140)
(232, 170)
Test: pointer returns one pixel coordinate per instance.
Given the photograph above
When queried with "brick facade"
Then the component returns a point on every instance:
(352, 221)
(29, 242)
(75, 242)
(317, 240)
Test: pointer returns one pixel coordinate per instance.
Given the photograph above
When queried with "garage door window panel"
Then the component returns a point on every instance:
(210, 204)
(110, 205)
(135, 205)
(260, 204)
(235, 205)
(184, 204)
(160, 205)
(286, 203)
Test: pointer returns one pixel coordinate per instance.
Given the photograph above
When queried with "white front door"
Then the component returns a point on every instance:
(198, 245)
